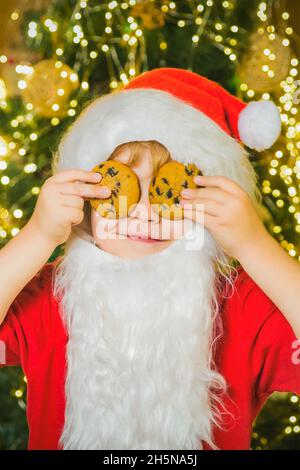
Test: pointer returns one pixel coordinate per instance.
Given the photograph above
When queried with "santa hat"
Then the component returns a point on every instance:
(194, 118)
(256, 124)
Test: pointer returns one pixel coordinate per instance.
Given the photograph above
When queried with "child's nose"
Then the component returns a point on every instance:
(143, 209)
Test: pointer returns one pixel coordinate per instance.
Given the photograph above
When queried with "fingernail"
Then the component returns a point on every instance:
(186, 192)
(97, 176)
(104, 191)
(198, 179)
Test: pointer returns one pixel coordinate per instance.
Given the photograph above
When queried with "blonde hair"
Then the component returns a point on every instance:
(160, 154)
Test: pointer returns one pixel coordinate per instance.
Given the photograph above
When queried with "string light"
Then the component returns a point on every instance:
(51, 25)
(14, 16)
(32, 29)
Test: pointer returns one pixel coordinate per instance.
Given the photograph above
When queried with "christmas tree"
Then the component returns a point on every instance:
(57, 55)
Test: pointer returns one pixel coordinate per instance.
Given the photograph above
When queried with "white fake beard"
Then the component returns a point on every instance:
(139, 373)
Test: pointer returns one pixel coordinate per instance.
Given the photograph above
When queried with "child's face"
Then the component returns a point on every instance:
(143, 221)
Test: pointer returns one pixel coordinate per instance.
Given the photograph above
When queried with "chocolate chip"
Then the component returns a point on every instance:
(169, 194)
(185, 184)
(188, 171)
(176, 200)
(165, 180)
(112, 171)
(157, 190)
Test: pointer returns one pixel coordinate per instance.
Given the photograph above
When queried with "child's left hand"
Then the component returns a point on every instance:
(229, 213)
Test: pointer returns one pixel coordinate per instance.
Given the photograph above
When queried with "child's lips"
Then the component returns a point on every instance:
(143, 239)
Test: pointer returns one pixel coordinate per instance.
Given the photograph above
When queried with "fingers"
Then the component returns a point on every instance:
(203, 205)
(66, 176)
(221, 182)
(85, 190)
(207, 220)
(215, 194)
(75, 215)
(69, 200)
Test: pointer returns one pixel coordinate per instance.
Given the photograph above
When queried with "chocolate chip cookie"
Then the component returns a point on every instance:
(165, 189)
(122, 181)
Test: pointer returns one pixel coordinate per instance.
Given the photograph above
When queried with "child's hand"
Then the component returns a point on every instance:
(228, 213)
(61, 201)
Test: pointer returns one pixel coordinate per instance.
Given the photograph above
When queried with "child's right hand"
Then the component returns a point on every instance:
(61, 201)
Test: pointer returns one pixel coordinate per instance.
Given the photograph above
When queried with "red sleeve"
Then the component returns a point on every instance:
(274, 348)
(277, 356)
(23, 318)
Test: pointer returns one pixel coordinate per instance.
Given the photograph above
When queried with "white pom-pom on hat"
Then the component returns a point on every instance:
(259, 124)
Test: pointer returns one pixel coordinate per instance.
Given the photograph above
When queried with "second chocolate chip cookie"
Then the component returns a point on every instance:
(165, 188)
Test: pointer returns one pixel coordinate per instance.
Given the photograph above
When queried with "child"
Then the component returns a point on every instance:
(140, 341)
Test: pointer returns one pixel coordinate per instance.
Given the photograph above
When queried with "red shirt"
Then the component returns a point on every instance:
(257, 354)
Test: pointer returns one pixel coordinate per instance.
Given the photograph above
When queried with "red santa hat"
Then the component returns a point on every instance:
(256, 124)
(194, 118)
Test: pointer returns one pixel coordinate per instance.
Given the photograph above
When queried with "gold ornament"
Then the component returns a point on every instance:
(49, 88)
(266, 63)
(151, 17)
(12, 43)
